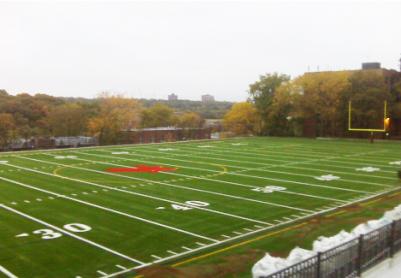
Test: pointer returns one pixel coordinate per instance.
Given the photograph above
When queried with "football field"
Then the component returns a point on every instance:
(105, 211)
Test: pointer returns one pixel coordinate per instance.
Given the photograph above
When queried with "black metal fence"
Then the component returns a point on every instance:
(349, 259)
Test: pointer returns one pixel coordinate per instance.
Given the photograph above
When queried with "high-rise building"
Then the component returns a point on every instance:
(207, 98)
(172, 97)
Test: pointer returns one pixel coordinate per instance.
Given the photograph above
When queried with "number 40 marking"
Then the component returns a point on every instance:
(191, 205)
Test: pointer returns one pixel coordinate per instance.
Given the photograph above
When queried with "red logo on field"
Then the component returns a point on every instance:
(141, 169)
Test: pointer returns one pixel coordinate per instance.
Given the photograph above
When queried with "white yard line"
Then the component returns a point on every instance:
(257, 163)
(177, 186)
(203, 178)
(105, 187)
(338, 172)
(281, 153)
(99, 246)
(218, 153)
(286, 165)
(280, 180)
(107, 209)
(331, 158)
(266, 158)
(121, 267)
(7, 272)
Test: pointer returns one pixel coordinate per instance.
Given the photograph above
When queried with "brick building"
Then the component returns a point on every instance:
(162, 134)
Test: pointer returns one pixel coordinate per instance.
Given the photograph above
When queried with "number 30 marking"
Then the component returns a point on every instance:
(73, 227)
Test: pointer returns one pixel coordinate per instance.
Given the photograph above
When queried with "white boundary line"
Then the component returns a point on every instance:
(104, 248)
(7, 272)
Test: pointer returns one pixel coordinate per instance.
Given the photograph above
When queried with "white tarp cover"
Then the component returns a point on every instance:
(269, 265)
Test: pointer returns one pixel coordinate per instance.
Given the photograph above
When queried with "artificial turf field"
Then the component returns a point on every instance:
(105, 211)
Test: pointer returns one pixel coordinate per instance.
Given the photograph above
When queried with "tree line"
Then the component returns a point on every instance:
(317, 104)
(26, 116)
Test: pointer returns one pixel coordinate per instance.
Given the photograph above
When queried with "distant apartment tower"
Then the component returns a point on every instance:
(371, 65)
(207, 98)
(172, 97)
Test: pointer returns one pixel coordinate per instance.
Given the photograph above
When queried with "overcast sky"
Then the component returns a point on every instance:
(151, 49)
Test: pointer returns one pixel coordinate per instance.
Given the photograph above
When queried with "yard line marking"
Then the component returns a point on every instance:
(102, 273)
(203, 178)
(135, 193)
(121, 267)
(251, 176)
(230, 151)
(376, 153)
(109, 209)
(270, 203)
(156, 257)
(176, 186)
(226, 236)
(271, 165)
(247, 229)
(7, 272)
(172, 252)
(237, 233)
(65, 232)
(186, 248)
(200, 244)
(310, 161)
(258, 177)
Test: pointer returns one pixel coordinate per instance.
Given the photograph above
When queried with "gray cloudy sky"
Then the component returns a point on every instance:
(151, 49)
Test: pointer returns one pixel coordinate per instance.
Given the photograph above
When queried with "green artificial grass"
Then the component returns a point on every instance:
(218, 194)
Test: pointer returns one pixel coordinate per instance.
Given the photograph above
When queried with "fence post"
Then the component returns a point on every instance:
(392, 239)
(319, 262)
(360, 259)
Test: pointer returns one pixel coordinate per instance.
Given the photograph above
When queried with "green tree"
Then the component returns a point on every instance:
(368, 93)
(115, 114)
(323, 93)
(7, 129)
(242, 119)
(69, 119)
(159, 115)
(262, 93)
(190, 120)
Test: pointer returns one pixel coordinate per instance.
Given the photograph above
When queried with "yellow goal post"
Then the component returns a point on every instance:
(386, 121)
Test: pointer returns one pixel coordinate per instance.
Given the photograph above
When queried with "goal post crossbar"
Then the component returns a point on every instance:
(350, 128)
